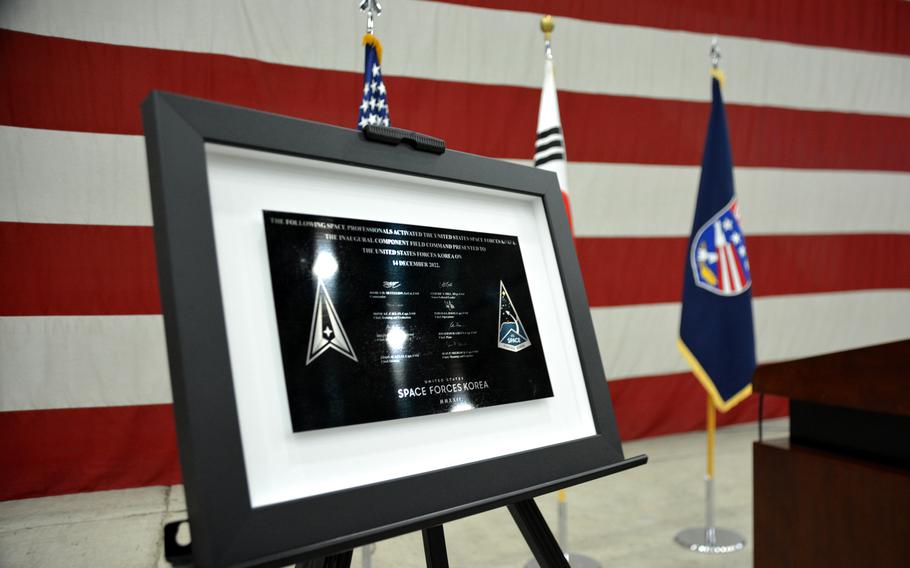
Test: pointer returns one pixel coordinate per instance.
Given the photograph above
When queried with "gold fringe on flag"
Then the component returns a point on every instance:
(370, 39)
(715, 72)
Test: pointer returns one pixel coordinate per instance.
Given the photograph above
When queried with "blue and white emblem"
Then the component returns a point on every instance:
(718, 255)
(512, 334)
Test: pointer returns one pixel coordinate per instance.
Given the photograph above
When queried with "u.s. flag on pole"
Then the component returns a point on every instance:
(374, 106)
(716, 332)
(550, 147)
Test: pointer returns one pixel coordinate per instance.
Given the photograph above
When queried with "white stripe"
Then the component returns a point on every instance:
(724, 271)
(731, 266)
(49, 176)
(641, 340)
(653, 200)
(66, 362)
(440, 41)
(639, 200)
(82, 361)
(722, 265)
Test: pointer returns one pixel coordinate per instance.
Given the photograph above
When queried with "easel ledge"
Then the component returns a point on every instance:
(521, 505)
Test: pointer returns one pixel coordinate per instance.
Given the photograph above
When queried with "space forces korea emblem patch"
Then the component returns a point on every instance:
(720, 261)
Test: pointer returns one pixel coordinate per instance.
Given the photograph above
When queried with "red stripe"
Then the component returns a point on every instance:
(870, 25)
(737, 281)
(655, 406)
(602, 128)
(50, 452)
(96, 87)
(77, 270)
(101, 270)
(723, 271)
(739, 267)
(803, 264)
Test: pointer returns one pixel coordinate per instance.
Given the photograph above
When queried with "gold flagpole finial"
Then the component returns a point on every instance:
(547, 26)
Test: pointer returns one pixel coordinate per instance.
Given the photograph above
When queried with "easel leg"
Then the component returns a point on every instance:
(537, 534)
(340, 560)
(434, 547)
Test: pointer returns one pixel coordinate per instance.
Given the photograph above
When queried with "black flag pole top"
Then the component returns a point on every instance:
(715, 53)
(716, 71)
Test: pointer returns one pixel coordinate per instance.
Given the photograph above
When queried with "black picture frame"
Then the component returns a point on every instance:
(226, 530)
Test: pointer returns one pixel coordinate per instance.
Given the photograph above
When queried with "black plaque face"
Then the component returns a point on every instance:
(379, 321)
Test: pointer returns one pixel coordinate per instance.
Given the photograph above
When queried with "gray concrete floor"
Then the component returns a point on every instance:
(624, 520)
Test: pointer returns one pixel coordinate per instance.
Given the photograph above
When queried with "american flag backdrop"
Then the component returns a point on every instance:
(819, 120)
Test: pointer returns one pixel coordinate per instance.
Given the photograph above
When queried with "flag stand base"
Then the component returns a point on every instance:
(710, 539)
(700, 540)
(575, 561)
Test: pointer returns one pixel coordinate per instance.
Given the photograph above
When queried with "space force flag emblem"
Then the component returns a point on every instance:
(326, 331)
(720, 263)
(512, 334)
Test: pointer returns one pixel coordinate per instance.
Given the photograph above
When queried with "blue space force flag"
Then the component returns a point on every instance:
(374, 105)
(716, 333)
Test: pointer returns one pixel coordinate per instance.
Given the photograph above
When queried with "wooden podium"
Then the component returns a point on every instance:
(837, 493)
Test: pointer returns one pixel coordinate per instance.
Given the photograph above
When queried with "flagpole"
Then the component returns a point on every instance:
(710, 539)
(562, 527)
(562, 508)
(547, 26)
(711, 431)
(711, 411)
(369, 6)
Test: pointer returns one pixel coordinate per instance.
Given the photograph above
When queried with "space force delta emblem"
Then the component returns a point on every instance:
(718, 255)
(512, 334)
(326, 331)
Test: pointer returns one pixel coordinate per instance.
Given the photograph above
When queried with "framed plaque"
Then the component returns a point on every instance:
(424, 322)
(364, 339)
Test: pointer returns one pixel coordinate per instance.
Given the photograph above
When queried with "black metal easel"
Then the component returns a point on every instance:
(525, 513)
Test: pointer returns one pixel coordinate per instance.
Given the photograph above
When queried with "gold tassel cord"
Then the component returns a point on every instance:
(370, 39)
(719, 75)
